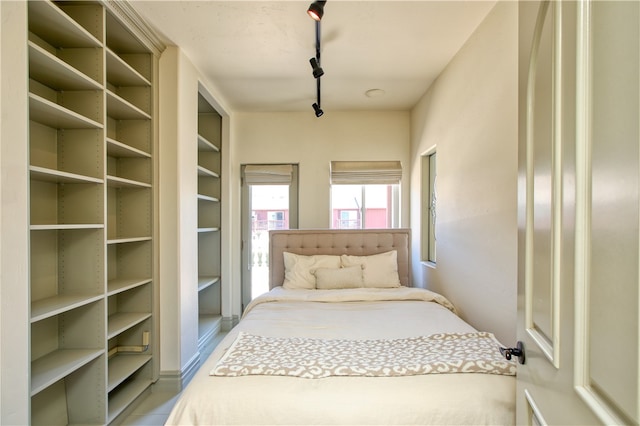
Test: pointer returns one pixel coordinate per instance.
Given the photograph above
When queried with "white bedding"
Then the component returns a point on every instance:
(355, 314)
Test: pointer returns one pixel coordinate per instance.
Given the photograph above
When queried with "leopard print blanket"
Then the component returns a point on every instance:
(318, 358)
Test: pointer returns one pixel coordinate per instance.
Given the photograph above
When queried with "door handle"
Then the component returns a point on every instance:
(518, 351)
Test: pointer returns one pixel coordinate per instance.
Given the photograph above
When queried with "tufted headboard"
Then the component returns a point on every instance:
(358, 242)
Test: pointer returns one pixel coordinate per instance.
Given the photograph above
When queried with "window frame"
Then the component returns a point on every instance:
(428, 207)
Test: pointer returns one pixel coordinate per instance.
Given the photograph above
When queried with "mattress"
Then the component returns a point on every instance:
(352, 316)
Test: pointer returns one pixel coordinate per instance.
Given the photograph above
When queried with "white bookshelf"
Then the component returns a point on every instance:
(91, 139)
(208, 171)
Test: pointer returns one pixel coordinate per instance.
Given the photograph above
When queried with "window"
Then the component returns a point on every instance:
(365, 194)
(269, 200)
(428, 203)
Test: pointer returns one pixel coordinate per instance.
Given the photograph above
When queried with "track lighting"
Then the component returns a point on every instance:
(317, 70)
(316, 10)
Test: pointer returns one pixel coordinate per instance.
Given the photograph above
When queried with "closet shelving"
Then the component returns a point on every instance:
(208, 169)
(129, 167)
(91, 213)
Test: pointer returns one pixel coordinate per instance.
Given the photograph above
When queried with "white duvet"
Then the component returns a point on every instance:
(357, 314)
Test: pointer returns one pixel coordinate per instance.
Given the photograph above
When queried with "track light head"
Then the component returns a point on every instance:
(316, 10)
(317, 110)
(317, 70)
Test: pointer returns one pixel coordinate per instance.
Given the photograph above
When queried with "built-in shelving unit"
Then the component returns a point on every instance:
(208, 169)
(91, 213)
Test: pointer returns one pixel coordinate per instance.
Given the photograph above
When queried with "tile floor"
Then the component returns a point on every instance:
(156, 407)
(154, 410)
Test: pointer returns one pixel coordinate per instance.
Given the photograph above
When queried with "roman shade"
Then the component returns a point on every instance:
(366, 172)
(268, 174)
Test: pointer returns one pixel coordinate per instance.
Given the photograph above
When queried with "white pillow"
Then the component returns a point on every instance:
(298, 269)
(378, 270)
(331, 279)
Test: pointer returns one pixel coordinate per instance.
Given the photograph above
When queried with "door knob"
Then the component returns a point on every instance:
(518, 351)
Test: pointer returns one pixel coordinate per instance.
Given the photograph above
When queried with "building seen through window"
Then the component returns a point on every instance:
(363, 206)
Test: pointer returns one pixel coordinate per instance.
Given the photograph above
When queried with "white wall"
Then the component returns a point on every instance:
(14, 217)
(301, 137)
(470, 115)
(178, 212)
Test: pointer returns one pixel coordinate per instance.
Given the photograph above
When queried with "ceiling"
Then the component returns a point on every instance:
(256, 53)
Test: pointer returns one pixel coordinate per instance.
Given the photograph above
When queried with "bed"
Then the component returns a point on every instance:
(319, 348)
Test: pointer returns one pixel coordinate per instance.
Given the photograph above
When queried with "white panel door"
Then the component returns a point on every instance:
(579, 212)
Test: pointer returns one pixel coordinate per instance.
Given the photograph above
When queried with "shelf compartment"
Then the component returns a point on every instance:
(209, 187)
(208, 212)
(65, 264)
(209, 161)
(122, 366)
(59, 364)
(129, 264)
(206, 281)
(56, 305)
(209, 122)
(121, 73)
(121, 109)
(132, 336)
(78, 398)
(56, 116)
(57, 74)
(209, 254)
(51, 23)
(128, 211)
(128, 171)
(64, 343)
(128, 391)
(128, 309)
(59, 198)
(118, 285)
(136, 134)
(205, 145)
(120, 322)
(74, 153)
(120, 40)
(86, 103)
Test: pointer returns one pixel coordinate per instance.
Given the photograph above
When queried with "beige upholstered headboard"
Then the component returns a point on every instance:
(358, 242)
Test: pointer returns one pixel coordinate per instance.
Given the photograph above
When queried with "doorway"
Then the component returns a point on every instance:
(269, 202)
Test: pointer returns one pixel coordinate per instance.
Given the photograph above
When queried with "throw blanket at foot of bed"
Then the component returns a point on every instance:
(318, 358)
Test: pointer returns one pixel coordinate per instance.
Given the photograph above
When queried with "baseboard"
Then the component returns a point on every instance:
(175, 381)
(229, 322)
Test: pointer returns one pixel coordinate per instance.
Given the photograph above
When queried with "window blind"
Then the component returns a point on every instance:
(366, 172)
(268, 174)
